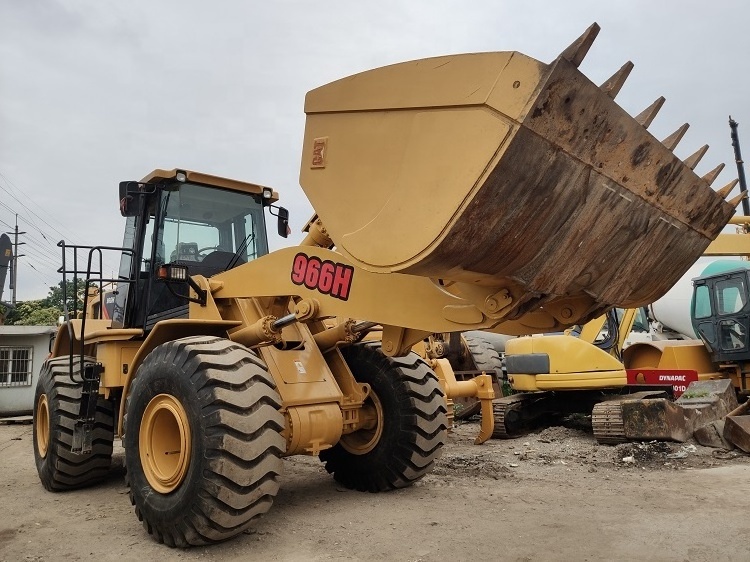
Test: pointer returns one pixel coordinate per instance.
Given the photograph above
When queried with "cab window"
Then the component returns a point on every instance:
(730, 295)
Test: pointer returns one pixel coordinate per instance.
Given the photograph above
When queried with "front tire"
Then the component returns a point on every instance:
(57, 405)
(203, 441)
(410, 426)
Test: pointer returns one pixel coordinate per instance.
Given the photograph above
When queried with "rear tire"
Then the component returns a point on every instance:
(412, 425)
(203, 441)
(57, 404)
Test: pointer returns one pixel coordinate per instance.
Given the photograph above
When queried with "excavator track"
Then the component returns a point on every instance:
(608, 424)
(507, 412)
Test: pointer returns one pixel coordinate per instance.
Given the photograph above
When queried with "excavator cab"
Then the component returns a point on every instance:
(202, 224)
(720, 313)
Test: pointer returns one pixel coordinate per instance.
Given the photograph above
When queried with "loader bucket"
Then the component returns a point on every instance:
(499, 170)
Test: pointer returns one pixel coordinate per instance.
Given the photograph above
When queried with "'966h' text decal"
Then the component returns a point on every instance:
(329, 278)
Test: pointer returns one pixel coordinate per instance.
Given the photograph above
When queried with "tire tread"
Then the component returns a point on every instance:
(423, 428)
(62, 469)
(242, 440)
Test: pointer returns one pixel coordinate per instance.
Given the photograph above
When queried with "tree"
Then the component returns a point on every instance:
(33, 313)
(47, 311)
(55, 296)
(4, 310)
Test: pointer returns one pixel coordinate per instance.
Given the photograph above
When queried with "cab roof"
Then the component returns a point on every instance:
(207, 179)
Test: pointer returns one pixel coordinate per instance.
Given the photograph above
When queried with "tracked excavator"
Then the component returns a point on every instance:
(448, 195)
(715, 308)
(588, 370)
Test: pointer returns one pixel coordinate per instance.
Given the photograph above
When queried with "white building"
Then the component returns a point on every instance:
(23, 349)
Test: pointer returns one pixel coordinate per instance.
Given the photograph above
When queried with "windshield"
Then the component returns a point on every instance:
(208, 227)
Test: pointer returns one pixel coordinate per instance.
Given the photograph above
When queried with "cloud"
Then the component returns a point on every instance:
(94, 93)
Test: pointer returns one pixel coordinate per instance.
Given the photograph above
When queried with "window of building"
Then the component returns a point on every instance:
(15, 366)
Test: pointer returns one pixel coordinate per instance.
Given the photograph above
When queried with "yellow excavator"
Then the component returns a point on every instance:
(463, 192)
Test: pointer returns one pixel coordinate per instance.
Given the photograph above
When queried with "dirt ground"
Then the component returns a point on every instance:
(551, 495)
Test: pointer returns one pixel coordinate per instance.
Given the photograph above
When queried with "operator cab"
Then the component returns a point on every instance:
(201, 223)
(720, 312)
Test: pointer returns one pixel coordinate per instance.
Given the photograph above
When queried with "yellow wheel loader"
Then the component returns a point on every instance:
(464, 192)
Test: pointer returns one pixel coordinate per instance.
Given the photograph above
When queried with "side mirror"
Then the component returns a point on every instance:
(283, 222)
(130, 199)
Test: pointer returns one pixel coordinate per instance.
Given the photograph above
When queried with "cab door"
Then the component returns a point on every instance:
(721, 315)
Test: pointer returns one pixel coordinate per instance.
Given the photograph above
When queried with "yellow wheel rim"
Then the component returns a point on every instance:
(42, 426)
(368, 436)
(164, 442)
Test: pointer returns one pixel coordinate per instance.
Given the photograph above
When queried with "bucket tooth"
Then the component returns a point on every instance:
(673, 140)
(612, 86)
(736, 201)
(711, 176)
(692, 160)
(577, 50)
(648, 114)
(727, 189)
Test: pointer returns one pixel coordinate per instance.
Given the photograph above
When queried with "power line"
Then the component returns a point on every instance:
(43, 252)
(10, 183)
(40, 252)
(47, 251)
(46, 275)
(41, 257)
(30, 224)
(14, 212)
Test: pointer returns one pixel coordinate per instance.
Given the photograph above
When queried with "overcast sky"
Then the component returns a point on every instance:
(95, 92)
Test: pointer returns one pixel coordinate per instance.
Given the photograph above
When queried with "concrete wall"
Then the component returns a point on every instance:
(18, 399)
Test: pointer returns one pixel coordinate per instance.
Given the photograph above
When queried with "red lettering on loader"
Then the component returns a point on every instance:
(327, 277)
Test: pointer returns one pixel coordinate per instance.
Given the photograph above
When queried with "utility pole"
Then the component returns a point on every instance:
(14, 261)
(738, 159)
(6, 255)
